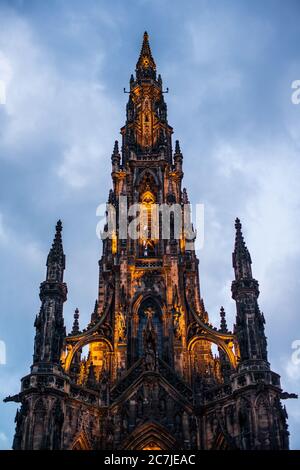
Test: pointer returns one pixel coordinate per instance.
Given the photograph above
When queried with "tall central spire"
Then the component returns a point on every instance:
(146, 130)
(145, 67)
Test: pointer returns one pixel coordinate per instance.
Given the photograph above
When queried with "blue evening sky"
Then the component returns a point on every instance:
(229, 66)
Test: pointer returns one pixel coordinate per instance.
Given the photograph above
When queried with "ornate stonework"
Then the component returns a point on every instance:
(149, 379)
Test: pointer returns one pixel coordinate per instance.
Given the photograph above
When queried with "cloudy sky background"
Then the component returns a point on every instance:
(229, 66)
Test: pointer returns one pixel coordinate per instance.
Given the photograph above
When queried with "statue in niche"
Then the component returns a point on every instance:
(178, 324)
(149, 339)
(121, 326)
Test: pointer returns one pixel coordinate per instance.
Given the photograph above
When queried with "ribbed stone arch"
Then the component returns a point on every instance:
(142, 298)
(80, 344)
(143, 173)
(218, 342)
(150, 435)
(81, 442)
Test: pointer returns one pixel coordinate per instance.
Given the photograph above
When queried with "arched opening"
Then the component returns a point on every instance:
(88, 361)
(210, 365)
(79, 350)
(226, 346)
(150, 436)
(93, 363)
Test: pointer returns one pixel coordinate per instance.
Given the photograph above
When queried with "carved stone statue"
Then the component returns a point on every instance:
(121, 326)
(150, 341)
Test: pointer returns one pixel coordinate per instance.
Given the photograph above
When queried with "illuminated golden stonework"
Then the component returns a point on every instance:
(149, 372)
(152, 446)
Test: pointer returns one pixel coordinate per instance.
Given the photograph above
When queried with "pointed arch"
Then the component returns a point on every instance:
(215, 339)
(137, 323)
(39, 406)
(261, 398)
(38, 431)
(262, 415)
(81, 442)
(150, 436)
(226, 341)
(145, 172)
(95, 338)
(141, 298)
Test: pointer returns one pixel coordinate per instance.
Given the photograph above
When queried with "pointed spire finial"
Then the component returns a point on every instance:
(57, 242)
(59, 226)
(145, 67)
(177, 147)
(239, 239)
(50, 322)
(116, 158)
(238, 224)
(75, 329)
(249, 327)
(178, 157)
(185, 198)
(116, 147)
(241, 259)
(56, 258)
(223, 325)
